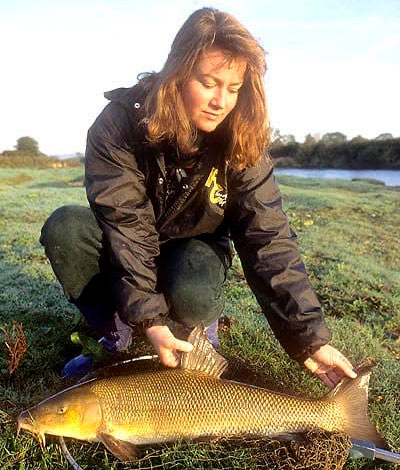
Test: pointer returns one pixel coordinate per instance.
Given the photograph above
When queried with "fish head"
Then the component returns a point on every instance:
(75, 413)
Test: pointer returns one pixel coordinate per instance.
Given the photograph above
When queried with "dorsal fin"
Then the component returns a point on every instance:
(203, 357)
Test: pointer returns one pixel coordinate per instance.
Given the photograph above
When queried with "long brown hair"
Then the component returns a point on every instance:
(245, 129)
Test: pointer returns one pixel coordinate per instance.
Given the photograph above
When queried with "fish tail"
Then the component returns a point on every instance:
(352, 397)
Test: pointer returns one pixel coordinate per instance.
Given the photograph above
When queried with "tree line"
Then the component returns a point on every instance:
(26, 153)
(333, 150)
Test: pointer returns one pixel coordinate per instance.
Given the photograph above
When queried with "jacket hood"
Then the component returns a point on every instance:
(131, 98)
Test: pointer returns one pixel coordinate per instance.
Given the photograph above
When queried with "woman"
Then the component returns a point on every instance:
(176, 167)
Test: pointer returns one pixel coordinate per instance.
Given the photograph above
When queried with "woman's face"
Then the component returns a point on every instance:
(212, 90)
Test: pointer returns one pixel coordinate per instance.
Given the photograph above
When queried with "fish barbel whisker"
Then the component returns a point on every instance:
(41, 437)
(27, 421)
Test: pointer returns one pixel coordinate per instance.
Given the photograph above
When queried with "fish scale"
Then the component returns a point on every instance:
(172, 404)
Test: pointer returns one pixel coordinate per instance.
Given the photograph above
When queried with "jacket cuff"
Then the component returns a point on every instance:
(305, 354)
(300, 345)
(142, 326)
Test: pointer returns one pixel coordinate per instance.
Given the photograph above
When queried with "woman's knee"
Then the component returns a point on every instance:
(191, 304)
(194, 287)
(73, 242)
(66, 226)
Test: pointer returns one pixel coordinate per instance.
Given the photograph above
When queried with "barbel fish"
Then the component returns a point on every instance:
(193, 402)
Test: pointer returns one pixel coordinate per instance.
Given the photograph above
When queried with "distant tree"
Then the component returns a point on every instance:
(358, 139)
(28, 146)
(276, 138)
(384, 136)
(333, 138)
(288, 139)
(310, 140)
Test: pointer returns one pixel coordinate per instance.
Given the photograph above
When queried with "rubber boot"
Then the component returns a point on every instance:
(93, 352)
(212, 333)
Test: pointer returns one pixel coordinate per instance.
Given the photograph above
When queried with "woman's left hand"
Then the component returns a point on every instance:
(329, 365)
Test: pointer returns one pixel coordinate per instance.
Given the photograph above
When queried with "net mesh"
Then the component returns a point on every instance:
(318, 451)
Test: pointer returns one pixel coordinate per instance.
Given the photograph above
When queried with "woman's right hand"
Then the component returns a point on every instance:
(166, 345)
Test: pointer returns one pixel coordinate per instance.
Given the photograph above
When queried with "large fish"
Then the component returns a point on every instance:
(193, 402)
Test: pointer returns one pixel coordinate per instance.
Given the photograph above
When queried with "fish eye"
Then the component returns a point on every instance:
(61, 410)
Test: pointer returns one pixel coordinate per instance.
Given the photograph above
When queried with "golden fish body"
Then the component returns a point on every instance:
(193, 402)
(178, 404)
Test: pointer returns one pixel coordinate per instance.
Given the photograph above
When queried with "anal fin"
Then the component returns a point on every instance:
(124, 450)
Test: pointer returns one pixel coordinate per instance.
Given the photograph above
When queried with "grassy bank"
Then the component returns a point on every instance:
(349, 237)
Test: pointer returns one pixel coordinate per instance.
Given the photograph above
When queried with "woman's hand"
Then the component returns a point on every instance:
(329, 365)
(166, 345)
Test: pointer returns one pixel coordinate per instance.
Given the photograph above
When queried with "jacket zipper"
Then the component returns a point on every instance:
(182, 198)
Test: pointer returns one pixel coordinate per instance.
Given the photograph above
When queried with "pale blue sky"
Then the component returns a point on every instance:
(332, 65)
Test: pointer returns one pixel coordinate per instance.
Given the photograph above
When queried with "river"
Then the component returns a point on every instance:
(389, 177)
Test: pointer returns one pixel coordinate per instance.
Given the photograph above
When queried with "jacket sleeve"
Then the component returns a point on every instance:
(117, 195)
(271, 261)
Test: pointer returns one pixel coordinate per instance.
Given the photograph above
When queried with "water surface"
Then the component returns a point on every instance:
(389, 177)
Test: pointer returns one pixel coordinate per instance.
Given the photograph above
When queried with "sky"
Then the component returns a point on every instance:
(333, 66)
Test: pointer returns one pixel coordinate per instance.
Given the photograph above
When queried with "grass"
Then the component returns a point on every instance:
(349, 237)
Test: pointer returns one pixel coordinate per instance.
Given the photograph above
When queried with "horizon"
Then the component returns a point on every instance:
(333, 66)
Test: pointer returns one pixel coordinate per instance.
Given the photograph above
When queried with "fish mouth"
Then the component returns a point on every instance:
(26, 421)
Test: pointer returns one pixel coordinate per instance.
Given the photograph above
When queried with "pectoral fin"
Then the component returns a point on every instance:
(124, 450)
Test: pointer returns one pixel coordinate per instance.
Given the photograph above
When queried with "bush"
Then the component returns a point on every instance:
(354, 154)
(16, 160)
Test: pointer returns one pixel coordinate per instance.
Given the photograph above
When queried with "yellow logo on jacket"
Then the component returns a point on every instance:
(216, 193)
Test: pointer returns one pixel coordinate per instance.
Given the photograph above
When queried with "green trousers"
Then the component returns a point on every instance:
(191, 274)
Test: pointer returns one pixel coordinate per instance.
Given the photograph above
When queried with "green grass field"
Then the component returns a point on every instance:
(350, 240)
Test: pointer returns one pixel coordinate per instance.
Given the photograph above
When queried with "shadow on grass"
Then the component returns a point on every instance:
(79, 181)
(59, 184)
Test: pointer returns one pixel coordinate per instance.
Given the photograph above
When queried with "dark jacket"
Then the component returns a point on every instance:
(127, 184)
